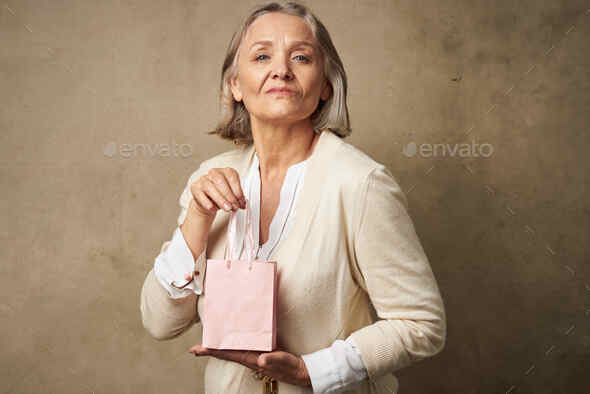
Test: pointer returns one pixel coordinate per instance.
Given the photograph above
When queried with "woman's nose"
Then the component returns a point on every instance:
(281, 68)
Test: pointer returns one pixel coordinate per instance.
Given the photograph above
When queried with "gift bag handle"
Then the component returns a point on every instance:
(232, 235)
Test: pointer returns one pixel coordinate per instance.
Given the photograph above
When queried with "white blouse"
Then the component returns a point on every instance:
(330, 369)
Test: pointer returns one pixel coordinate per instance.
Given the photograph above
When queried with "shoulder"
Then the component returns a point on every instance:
(355, 172)
(357, 158)
(225, 159)
(231, 158)
(349, 164)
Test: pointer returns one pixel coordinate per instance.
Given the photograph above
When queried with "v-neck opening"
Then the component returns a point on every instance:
(303, 204)
(283, 212)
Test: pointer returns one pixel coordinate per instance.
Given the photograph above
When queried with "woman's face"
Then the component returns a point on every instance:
(280, 51)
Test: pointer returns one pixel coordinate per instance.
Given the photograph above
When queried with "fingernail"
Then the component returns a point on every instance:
(226, 206)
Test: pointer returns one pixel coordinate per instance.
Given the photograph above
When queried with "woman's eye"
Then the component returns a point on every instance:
(305, 58)
(299, 57)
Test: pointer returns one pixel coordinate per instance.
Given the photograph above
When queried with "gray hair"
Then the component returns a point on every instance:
(331, 114)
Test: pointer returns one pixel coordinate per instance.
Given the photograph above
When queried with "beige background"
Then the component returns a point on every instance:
(81, 224)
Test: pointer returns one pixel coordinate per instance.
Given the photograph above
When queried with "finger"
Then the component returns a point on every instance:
(205, 202)
(242, 356)
(264, 361)
(200, 201)
(210, 189)
(272, 359)
(220, 179)
(199, 350)
(251, 358)
(234, 183)
(246, 358)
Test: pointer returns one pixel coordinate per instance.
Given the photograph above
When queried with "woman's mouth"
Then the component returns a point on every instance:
(281, 91)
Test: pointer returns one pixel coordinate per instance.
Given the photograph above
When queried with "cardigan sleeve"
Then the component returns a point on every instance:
(163, 315)
(399, 281)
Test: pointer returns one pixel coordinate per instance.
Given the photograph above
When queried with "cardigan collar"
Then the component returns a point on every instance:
(318, 167)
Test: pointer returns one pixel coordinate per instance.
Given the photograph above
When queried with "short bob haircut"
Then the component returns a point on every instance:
(331, 114)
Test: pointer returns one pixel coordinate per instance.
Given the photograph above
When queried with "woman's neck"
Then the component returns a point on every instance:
(279, 148)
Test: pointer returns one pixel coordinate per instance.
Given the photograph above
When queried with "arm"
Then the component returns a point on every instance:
(398, 279)
(164, 314)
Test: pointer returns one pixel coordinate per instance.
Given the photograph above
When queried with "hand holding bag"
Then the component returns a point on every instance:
(240, 296)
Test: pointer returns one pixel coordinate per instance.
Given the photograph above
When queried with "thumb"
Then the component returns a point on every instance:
(271, 359)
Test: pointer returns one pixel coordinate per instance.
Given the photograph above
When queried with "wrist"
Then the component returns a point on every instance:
(304, 374)
(195, 230)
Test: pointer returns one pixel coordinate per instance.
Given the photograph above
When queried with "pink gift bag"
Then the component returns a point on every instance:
(240, 296)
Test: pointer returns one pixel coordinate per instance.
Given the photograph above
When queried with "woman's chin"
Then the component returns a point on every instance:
(283, 115)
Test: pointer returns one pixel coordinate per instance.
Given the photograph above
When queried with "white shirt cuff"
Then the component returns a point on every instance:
(174, 262)
(336, 367)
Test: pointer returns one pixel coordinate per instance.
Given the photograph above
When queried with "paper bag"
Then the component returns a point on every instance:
(240, 296)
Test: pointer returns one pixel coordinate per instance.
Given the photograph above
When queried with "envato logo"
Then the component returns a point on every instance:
(147, 150)
(461, 150)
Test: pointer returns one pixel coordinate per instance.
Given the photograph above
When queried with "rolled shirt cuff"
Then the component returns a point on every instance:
(335, 367)
(174, 262)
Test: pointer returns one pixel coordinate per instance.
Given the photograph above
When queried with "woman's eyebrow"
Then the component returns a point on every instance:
(293, 44)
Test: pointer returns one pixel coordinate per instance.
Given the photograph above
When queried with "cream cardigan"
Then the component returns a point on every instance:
(329, 369)
(352, 265)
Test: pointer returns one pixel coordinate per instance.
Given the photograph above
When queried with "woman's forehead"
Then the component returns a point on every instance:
(277, 26)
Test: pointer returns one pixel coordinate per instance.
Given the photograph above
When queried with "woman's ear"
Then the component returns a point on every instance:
(235, 88)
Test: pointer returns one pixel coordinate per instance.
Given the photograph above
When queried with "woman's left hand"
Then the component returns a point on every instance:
(280, 365)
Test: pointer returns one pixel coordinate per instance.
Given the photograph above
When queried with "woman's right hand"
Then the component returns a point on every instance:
(220, 188)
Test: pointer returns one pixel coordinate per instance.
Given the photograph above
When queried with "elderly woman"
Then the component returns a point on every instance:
(357, 297)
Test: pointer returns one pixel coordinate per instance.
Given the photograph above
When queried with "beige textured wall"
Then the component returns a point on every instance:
(81, 225)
